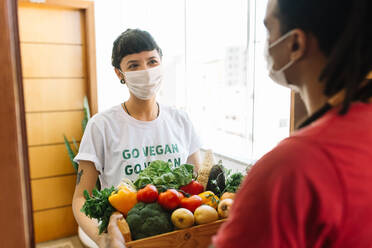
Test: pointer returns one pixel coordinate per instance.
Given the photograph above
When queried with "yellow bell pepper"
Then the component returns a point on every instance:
(209, 198)
(123, 199)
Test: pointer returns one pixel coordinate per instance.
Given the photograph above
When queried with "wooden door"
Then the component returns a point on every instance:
(57, 74)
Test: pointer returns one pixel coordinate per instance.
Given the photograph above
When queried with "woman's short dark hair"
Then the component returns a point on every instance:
(343, 29)
(132, 41)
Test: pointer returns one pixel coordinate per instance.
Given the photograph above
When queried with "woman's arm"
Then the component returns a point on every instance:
(86, 180)
(194, 159)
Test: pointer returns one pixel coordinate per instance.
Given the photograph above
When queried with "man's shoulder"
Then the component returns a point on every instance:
(295, 155)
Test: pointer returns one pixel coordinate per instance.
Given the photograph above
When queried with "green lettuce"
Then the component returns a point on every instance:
(164, 176)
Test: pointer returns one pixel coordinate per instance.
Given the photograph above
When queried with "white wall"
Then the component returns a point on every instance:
(109, 24)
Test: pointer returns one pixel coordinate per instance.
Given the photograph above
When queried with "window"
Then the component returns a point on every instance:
(215, 68)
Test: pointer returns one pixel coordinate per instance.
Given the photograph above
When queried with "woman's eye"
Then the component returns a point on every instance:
(153, 62)
(132, 66)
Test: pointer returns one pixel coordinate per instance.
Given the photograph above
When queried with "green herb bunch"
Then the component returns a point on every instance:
(98, 207)
(233, 182)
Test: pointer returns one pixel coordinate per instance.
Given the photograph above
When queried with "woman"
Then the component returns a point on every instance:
(122, 141)
(315, 188)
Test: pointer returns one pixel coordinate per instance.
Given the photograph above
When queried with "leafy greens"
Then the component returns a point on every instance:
(164, 176)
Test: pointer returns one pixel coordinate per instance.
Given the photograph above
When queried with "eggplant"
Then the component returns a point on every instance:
(216, 180)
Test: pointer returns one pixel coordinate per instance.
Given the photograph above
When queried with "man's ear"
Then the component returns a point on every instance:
(298, 44)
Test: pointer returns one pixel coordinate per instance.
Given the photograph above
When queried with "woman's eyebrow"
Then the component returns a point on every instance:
(153, 57)
(132, 61)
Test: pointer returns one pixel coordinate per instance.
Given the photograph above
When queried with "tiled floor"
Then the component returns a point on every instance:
(70, 242)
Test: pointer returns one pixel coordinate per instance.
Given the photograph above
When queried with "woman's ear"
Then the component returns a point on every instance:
(298, 44)
(119, 74)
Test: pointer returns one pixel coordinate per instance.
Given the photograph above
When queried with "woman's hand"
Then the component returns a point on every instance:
(114, 238)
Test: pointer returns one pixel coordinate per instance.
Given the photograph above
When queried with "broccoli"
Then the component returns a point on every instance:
(147, 220)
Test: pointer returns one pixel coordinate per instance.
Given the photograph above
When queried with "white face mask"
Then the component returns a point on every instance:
(144, 84)
(278, 75)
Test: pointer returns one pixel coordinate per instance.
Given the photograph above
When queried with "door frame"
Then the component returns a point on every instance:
(16, 229)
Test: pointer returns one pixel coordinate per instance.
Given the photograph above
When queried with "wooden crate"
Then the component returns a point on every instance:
(195, 237)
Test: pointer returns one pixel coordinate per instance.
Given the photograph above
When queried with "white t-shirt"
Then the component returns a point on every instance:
(121, 146)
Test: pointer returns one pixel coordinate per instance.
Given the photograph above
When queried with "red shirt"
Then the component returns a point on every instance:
(313, 190)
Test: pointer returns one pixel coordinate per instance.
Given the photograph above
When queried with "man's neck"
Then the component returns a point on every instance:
(312, 93)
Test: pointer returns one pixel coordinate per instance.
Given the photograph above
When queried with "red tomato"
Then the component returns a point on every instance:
(169, 199)
(180, 195)
(193, 188)
(148, 194)
(191, 203)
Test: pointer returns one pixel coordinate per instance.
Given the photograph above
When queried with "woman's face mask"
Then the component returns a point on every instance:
(278, 75)
(144, 84)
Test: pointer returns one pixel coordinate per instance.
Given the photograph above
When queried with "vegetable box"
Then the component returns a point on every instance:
(199, 236)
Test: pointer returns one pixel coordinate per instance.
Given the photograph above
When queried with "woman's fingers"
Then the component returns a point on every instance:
(115, 236)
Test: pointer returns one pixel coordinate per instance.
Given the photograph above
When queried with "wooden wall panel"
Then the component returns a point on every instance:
(54, 223)
(52, 192)
(56, 37)
(54, 94)
(51, 25)
(48, 128)
(53, 61)
(48, 161)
